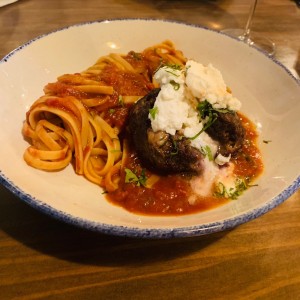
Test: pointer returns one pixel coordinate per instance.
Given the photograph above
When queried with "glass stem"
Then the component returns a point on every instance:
(246, 34)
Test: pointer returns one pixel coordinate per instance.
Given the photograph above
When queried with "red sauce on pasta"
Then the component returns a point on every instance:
(126, 83)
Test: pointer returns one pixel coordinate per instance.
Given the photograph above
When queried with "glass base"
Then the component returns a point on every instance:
(255, 39)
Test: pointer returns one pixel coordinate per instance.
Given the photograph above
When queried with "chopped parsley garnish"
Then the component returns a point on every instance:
(175, 85)
(176, 148)
(136, 55)
(111, 111)
(153, 111)
(206, 151)
(208, 114)
(206, 109)
(186, 70)
(121, 100)
(232, 193)
(131, 177)
(173, 67)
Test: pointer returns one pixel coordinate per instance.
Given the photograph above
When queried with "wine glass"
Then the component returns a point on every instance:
(251, 38)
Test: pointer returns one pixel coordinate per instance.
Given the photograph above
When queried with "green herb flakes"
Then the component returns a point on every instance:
(232, 193)
(175, 152)
(131, 177)
(175, 85)
(153, 111)
(121, 100)
(136, 55)
(208, 115)
(206, 151)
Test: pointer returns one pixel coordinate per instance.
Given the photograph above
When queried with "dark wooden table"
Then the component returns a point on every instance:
(43, 258)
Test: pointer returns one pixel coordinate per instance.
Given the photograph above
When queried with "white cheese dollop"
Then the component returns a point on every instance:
(176, 104)
(207, 83)
(172, 106)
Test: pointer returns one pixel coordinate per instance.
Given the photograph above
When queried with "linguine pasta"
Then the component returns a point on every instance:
(80, 118)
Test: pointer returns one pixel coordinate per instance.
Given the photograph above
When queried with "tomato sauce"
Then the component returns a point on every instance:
(126, 83)
(248, 161)
(170, 195)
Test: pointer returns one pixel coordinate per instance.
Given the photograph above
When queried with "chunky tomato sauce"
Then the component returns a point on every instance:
(248, 161)
(170, 194)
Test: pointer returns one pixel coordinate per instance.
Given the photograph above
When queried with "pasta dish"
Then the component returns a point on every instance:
(137, 125)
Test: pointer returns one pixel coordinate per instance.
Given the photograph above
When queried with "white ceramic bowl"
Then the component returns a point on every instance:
(270, 97)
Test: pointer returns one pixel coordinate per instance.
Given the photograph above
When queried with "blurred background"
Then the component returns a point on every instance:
(26, 19)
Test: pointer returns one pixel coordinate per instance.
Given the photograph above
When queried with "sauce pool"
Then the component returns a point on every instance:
(170, 195)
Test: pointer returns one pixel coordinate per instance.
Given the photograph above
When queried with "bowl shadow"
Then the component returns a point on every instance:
(52, 237)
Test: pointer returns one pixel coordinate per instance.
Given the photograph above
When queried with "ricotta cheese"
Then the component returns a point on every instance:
(172, 106)
(176, 110)
(207, 83)
(176, 104)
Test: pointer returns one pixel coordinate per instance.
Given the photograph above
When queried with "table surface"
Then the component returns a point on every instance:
(43, 258)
